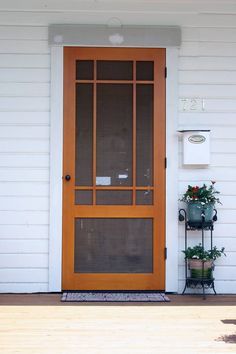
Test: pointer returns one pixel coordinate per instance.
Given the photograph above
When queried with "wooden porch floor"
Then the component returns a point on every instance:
(42, 324)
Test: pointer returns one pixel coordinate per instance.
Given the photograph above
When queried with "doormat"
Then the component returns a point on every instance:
(88, 296)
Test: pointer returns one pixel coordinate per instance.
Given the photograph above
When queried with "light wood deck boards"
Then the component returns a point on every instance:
(41, 324)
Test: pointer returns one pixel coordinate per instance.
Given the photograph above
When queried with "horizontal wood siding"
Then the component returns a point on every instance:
(24, 158)
(207, 70)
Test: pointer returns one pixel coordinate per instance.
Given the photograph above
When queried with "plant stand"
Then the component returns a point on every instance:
(201, 282)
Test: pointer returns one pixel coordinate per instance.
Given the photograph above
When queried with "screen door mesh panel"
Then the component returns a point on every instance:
(113, 245)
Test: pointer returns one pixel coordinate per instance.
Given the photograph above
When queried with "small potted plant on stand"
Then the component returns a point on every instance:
(201, 261)
(200, 202)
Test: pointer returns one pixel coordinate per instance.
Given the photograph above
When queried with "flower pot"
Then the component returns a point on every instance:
(195, 209)
(200, 269)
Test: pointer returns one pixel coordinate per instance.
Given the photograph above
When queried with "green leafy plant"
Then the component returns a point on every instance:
(204, 194)
(198, 252)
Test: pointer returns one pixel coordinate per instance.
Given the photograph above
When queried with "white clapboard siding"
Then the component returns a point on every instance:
(207, 63)
(24, 189)
(226, 261)
(18, 232)
(24, 160)
(24, 32)
(208, 118)
(38, 132)
(24, 217)
(24, 118)
(225, 286)
(24, 287)
(24, 46)
(217, 160)
(23, 261)
(208, 49)
(22, 275)
(23, 246)
(24, 145)
(24, 75)
(24, 60)
(228, 216)
(224, 230)
(223, 146)
(24, 174)
(24, 104)
(25, 211)
(223, 160)
(220, 105)
(207, 90)
(27, 203)
(207, 70)
(8, 89)
(208, 174)
(207, 77)
(142, 15)
(209, 34)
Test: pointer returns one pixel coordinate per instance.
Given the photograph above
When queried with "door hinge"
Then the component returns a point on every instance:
(165, 162)
(165, 252)
(165, 72)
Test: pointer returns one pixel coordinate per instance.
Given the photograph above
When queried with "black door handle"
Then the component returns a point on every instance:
(67, 177)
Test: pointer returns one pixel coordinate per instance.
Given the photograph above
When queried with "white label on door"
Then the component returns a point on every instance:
(103, 181)
(122, 176)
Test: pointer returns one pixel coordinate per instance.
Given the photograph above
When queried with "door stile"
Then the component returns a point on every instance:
(134, 132)
(68, 165)
(159, 169)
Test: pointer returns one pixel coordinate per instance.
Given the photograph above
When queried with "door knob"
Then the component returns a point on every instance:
(67, 177)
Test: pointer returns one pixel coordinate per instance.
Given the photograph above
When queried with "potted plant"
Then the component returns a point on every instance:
(201, 261)
(200, 202)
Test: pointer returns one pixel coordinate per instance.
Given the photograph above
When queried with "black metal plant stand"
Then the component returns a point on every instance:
(201, 282)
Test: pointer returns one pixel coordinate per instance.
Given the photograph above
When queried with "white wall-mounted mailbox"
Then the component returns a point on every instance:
(196, 147)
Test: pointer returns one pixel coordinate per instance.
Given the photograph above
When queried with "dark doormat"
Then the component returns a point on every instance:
(109, 296)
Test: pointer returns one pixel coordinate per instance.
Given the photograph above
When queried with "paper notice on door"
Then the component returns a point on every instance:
(103, 181)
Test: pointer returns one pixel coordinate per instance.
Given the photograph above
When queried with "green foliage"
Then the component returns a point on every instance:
(204, 194)
(198, 252)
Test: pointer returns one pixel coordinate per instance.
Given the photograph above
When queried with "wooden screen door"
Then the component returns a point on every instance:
(114, 169)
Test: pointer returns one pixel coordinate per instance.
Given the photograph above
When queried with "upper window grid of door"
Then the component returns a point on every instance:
(90, 72)
(115, 70)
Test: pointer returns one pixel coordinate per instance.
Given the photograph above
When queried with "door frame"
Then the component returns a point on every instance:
(56, 170)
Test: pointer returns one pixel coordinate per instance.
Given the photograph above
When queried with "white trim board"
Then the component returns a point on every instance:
(56, 139)
(56, 170)
(172, 170)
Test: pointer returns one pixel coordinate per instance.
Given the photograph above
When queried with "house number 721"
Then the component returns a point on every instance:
(191, 105)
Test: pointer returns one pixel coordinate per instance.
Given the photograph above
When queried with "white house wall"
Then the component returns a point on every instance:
(207, 69)
(24, 158)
